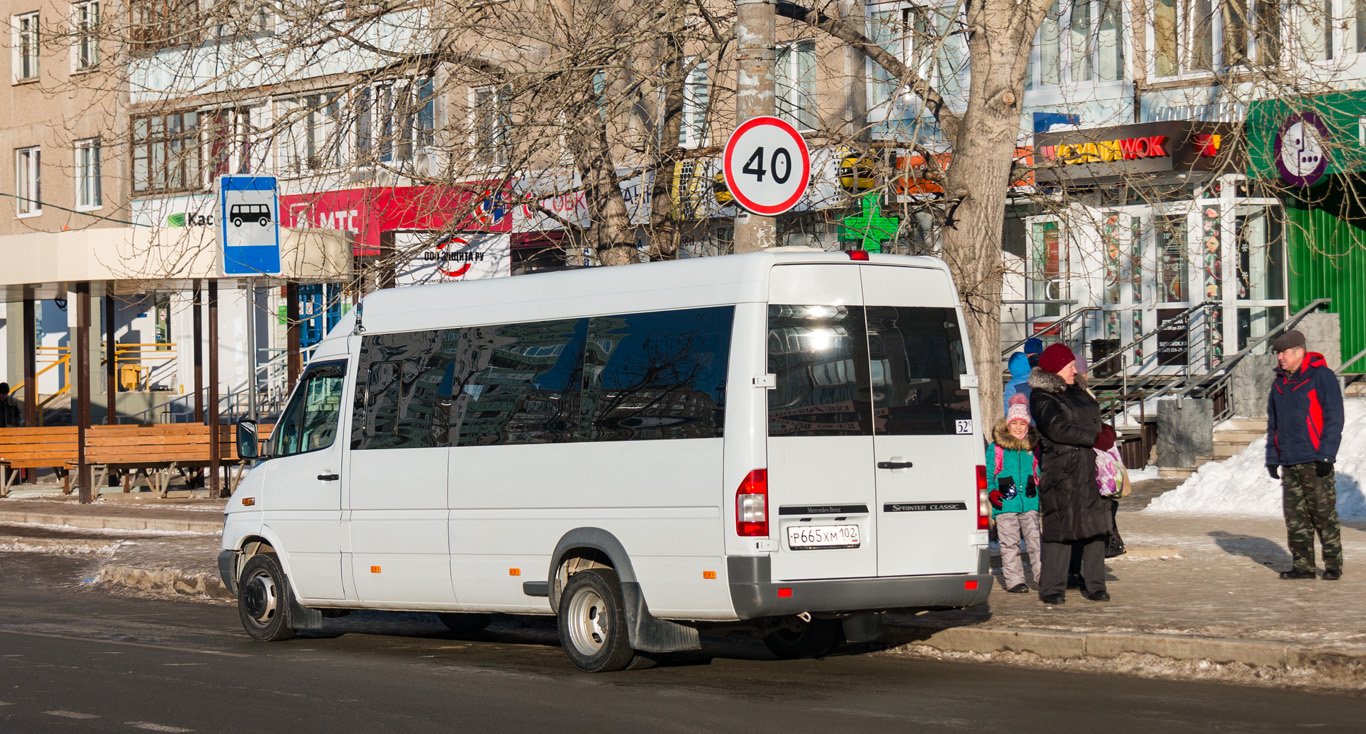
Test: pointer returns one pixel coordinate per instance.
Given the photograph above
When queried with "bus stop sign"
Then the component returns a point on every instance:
(248, 213)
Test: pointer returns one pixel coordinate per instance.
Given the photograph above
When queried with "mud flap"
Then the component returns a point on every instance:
(863, 628)
(650, 634)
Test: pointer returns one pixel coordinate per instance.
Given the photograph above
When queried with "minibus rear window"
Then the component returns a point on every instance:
(860, 371)
(819, 355)
(917, 354)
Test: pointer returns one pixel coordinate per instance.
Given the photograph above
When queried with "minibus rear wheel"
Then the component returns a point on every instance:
(263, 599)
(812, 639)
(592, 622)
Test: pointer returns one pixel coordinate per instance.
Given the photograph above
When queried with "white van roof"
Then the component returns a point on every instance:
(594, 291)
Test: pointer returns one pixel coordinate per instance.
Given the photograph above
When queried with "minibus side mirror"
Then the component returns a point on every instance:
(248, 447)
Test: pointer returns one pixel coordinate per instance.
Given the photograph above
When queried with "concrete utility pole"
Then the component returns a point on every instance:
(755, 30)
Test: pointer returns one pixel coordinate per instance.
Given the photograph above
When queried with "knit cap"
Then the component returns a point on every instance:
(1055, 357)
(1018, 410)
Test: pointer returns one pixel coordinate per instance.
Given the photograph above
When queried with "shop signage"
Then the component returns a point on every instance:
(369, 211)
(1301, 155)
(918, 177)
(465, 256)
(1154, 147)
(1172, 347)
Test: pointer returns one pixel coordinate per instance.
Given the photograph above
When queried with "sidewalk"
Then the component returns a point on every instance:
(1198, 590)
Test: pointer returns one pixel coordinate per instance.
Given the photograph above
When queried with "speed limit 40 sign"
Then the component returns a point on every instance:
(767, 165)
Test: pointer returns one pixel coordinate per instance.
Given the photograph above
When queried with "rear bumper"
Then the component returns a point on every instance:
(754, 595)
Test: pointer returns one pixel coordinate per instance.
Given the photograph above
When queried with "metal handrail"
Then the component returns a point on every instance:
(1218, 376)
(1075, 315)
(1179, 318)
(230, 403)
(1343, 366)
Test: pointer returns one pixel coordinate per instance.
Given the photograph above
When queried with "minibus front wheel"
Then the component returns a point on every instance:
(592, 622)
(264, 598)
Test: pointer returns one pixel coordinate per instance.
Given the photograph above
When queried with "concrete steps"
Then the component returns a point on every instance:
(1356, 389)
(1233, 436)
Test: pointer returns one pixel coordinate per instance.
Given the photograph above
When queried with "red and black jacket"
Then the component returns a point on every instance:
(1304, 414)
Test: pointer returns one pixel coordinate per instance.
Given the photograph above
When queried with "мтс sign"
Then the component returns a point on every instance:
(248, 216)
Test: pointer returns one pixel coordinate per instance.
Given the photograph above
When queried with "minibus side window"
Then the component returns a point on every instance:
(658, 375)
(917, 358)
(309, 422)
(523, 384)
(819, 355)
(397, 404)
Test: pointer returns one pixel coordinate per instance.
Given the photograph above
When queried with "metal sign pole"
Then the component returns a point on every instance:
(251, 348)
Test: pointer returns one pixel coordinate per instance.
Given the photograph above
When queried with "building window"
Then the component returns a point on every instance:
(228, 141)
(1202, 36)
(313, 139)
(158, 24)
(1316, 29)
(85, 21)
(490, 126)
(28, 187)
(391, 122)
(88, 188)
(25, 39)
(1094, 43)
(696, 94)
(166, 153)
(795, 84)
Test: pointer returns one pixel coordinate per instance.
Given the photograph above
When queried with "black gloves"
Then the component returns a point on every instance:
(1274, 470)
(1323, 468)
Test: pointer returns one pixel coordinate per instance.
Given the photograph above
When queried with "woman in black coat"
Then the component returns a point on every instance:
(1073, 512)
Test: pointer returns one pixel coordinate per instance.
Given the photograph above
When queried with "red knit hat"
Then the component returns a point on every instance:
(1055, 357)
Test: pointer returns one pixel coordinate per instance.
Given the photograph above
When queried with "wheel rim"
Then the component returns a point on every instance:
(260, 599)
(588, 626)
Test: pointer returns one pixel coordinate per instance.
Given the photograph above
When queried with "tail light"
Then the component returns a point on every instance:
(983, 511)
(858, 255)
(751, 505)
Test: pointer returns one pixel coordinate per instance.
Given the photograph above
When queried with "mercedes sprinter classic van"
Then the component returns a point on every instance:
(789, 439)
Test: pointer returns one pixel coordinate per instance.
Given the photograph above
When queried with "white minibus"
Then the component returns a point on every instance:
(787, 439)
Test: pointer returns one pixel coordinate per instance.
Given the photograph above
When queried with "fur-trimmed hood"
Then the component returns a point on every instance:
(1001, 434)
(1049, 381)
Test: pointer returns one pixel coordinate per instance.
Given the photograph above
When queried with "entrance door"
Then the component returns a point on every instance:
(303, 498)
(926, 446)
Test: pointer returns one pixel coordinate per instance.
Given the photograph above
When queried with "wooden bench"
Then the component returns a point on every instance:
(157, 452)
(51, 447)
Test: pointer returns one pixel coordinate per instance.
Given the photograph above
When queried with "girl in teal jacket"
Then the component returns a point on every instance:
(1012, 481)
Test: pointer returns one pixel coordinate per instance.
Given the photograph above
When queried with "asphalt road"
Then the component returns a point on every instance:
(81, 660)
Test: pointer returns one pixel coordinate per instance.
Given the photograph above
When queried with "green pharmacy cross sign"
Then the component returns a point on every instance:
(870, 228)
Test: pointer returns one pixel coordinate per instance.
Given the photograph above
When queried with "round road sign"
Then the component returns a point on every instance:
(767, 165)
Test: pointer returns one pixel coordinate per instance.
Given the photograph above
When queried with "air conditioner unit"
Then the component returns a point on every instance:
(427, 164)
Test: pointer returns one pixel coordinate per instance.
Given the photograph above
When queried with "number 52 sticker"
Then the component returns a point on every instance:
(962, 427)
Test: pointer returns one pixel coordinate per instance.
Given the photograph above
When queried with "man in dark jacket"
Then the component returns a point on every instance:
(1303, 430)
(1071, 509)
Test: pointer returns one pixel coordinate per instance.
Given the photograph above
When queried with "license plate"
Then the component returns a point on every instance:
(817, 537)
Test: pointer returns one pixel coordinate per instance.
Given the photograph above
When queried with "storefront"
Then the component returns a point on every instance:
(1312, 151)
(1156, 236)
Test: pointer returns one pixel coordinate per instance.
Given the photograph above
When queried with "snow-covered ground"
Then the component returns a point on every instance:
(1241, 486)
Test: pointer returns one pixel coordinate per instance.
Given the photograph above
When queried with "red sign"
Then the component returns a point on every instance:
(916, 176)
(368, 212)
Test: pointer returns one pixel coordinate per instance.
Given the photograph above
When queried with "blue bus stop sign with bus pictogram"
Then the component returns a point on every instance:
(248, 212)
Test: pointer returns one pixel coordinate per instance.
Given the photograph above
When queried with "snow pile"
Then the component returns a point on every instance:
(1241, 486)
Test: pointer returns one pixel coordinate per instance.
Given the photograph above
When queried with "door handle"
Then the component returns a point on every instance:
(328, 477)
(894, 465)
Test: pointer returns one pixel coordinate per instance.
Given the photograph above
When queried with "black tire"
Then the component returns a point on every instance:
(263, 599)
(815, 639)
(236, 221)
(592, 622)
(465, 624)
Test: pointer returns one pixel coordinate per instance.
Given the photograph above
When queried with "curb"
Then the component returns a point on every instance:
(19, 543)
(108, 522)
(1059, 645)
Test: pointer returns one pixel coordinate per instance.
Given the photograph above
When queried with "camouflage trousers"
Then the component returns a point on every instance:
(1310, 503)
